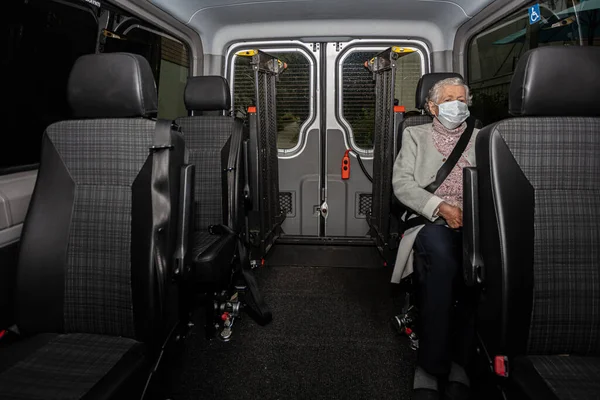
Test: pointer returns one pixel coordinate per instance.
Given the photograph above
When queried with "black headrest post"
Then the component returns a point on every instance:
(556, 81)
(426, 83)
(112, 85)
(207, 93)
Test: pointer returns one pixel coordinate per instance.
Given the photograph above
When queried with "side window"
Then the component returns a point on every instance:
(167, 56)
(358, 97)
(293, 94)
(493, 54)
(41, 41)
(358, 91)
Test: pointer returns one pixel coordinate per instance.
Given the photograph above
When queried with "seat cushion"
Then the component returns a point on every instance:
(68, 366)
(557, 377)
(212, 256)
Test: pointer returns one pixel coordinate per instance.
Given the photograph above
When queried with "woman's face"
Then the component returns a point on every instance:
(449, 93)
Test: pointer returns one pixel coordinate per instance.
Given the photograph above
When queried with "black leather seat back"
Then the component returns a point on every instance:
(208, 138)
(88, 248)
(539, 208)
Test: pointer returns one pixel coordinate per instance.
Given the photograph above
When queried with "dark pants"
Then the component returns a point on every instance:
(446, 305)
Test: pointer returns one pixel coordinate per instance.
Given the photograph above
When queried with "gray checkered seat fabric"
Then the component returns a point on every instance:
(67, 366)
(205, 138)
(84, 288)
(208, 139)
(539, 227)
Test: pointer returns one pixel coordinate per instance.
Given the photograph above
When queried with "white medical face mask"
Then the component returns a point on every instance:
(453, 113)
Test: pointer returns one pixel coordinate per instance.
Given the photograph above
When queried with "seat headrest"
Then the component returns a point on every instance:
(112, 85)
(556, 81)
(207, 93)
(426, 83)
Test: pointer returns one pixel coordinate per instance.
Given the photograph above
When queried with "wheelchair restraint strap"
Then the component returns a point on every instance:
(161, 205)
(253, 297)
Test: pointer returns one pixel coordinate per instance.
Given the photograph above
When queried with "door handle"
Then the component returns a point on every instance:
(324, 210)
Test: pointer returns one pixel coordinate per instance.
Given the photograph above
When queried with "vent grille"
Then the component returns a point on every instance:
(365, 200)
(286, 203)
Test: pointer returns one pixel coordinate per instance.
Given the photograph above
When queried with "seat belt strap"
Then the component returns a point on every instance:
(161, 202)
(230, 164)
(454, 156)
(233, 172)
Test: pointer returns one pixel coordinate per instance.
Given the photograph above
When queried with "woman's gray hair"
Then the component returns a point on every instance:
(436, 91)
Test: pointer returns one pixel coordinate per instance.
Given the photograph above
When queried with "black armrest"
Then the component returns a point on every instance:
(473, 268)
(185, 218)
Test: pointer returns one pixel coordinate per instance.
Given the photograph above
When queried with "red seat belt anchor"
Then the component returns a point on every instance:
(501, 366)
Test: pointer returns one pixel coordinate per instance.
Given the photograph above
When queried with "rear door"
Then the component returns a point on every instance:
(298, 123)
(351, 97)
(325, 106)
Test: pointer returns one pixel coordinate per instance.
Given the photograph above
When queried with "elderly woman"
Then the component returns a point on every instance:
(445, 331)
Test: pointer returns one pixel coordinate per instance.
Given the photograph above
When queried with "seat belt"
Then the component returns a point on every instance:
(161, 202)
(444, 171)
(230, 163)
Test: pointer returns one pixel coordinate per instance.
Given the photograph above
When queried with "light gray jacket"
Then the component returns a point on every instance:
(414, 169)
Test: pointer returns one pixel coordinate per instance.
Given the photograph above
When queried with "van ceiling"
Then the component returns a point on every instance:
(221, 22)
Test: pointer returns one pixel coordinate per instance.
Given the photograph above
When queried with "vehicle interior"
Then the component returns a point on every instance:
(196, 196)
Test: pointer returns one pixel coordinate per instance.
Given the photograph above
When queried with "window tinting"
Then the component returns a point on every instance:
(40, 43)
(168, 58)
(293, 94)
(358, 97)
(493, 54)
(358, 91)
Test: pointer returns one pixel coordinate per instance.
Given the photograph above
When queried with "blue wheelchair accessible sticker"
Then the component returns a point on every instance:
(534, 14)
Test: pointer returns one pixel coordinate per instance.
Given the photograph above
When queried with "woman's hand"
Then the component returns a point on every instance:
(452, 215)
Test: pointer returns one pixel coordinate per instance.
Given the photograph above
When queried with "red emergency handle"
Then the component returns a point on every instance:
(346, 165)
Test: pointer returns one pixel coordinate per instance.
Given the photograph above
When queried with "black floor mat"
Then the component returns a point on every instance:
(320, 255)
(330, 338)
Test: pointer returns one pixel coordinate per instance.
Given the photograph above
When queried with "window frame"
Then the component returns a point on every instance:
(362, 45)
(283, 46)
